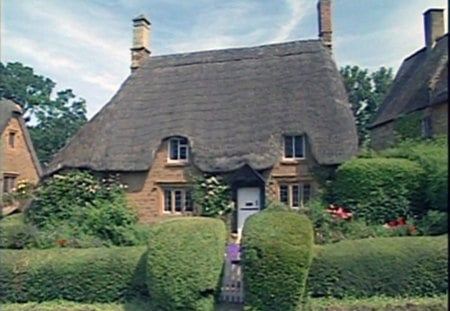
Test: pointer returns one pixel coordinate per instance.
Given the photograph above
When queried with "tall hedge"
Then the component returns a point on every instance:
(398, 266)
(432, 156)
(379, 189)
(277, 249)
(185, 261)
(83, 275)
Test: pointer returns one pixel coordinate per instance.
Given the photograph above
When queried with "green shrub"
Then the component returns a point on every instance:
(14, 233)
(277, 252)
(433, 223)
(400, 266)
(86, 206)
(432, 156)
(83, 275)
(185, 260)
(378, 189)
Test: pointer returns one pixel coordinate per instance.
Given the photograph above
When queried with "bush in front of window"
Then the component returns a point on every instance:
(379, 189)
(77, 205)
(277, 253)
(84, 275)
(185, 260)
(396, 267)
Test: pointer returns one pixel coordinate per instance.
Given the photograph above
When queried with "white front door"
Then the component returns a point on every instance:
(248, 203)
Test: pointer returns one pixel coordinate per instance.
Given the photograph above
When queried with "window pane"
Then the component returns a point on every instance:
(188, 202)
(295, 195)
(288, 148)
(178, 201)
(284, 198)
(298, 141)
(306, 193)
(174, 149)
(168, 201)
(183, 152)
(183, 141)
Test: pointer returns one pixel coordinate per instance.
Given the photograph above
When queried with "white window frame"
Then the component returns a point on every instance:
(172, 192)
(294, 157)
(180, 145)
(290, 193)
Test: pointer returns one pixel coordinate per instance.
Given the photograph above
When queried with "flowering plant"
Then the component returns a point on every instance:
(212, 195)
(339, 212)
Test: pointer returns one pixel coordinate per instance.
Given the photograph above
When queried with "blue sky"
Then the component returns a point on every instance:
(84, 44)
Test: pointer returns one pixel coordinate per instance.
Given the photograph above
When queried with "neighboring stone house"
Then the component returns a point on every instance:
(261, 116)
(417, 103)
(18, 160)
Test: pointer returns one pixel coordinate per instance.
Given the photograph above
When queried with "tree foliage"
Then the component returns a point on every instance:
(365, 92)
(52, 119)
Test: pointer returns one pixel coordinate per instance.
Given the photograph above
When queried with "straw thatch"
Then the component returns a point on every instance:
(233, 105)
(421, 81)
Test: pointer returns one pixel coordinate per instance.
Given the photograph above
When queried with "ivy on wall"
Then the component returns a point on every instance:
(408, 126)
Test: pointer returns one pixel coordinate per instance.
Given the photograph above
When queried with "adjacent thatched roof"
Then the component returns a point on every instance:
(233, 105)
(8, 110)
(420, 82)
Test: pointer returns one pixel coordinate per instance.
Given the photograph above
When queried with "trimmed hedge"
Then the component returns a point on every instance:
(82, 275)
(185, 261)
(277, 252)
(398, 266)
(379, 189)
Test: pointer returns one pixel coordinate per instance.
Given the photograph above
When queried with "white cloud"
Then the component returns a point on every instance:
(298, 9)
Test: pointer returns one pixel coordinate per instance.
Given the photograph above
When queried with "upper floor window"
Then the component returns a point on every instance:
(12, 139)
(295, 195)
(294, 147)
(178, 149)
(9, 183)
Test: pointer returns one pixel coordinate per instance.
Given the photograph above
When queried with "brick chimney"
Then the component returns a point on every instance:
(140, 51)
(434, 26)
(324, 14)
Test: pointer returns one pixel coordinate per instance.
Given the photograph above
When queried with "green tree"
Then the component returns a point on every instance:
(365, 92)
(51, 120)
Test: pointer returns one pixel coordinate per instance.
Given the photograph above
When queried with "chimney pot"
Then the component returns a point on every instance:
(434, 26)
(140, 50)
(325, 28)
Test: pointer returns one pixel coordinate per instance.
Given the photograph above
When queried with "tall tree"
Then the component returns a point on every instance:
(51, 120)
(365, 92)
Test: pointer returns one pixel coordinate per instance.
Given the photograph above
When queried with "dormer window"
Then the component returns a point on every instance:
(294, 147)
(178, 149)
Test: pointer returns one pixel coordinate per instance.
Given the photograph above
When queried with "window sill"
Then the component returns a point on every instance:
(177, 163)
(292, 161)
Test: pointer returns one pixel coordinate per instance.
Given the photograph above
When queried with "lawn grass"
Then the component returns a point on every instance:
(436, 303)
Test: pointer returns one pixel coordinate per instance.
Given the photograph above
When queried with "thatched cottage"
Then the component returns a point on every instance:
(263, 116)
(18, 160)
(417, 103)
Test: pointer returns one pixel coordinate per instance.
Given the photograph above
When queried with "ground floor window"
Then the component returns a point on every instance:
(295, 195)
(9, 182)
(177, 200)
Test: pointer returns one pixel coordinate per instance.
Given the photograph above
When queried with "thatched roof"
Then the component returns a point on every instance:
(420, 82)
(9, 109)
(233, 105)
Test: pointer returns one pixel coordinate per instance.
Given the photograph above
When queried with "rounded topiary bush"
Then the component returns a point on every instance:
(277, 249)
(185, 260)
(379, 189)
(83, 275)
(398, 266)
